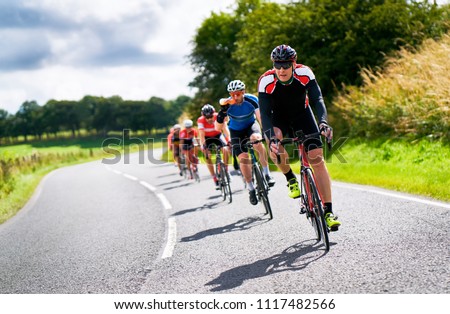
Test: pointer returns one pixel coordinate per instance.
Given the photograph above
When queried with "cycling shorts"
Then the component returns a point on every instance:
(240, 138)
(305, 122)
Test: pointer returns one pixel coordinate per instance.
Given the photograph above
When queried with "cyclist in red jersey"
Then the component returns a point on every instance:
(285, 95)
(173, 142)
(189, 143)
(209, 137)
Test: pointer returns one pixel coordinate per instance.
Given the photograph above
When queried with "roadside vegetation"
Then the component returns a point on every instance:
(22, 166)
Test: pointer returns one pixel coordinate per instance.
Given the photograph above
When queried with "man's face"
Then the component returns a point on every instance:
(238, 96)
(284, 70)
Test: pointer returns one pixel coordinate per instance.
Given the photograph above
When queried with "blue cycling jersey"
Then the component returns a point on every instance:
(242, 116)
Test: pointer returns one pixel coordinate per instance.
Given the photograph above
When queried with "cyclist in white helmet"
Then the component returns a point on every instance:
(242, 111)
(189, 143)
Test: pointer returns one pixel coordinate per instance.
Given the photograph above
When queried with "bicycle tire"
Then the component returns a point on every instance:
(318, 209)
(225, 183)
(310, 215)
(262, 189)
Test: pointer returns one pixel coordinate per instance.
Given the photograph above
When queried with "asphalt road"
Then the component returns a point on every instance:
(141, 228)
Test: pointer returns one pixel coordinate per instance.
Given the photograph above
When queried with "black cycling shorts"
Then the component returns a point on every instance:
(305, 122)
(239, 138)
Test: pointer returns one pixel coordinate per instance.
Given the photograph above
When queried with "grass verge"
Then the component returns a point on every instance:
(23, 166)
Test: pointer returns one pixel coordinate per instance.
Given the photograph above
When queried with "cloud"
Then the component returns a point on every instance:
(53, 49)
(102, 34)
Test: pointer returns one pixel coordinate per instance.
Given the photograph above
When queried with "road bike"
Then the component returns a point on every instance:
(311, 202)
(222, 174)
(190, 172)
(262, 187)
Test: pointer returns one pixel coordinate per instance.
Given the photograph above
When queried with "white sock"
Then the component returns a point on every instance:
(266, 170)
(250, 186)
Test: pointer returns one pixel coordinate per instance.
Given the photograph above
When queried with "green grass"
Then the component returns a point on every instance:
(23, 166)
(419, 167)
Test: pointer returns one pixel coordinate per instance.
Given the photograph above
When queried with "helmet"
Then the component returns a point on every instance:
(235, 85)
(188, 123)
(283, 53)
(208, 110)
(177, 127)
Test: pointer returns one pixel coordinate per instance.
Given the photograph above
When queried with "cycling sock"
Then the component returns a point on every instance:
(250, 186)
(328, 208)
(290, 175)
(266, 170)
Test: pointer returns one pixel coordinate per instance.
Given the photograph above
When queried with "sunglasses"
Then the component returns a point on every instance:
(237, 93)
(209, 116)
(284, 65)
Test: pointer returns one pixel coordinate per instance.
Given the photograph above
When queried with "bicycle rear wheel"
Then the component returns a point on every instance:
(317, 206)
(225, 183)
(262, 189)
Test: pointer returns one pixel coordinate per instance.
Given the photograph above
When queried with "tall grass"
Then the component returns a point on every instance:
(409, 98)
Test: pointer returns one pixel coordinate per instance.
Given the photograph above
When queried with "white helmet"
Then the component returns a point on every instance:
(188, 123)
(177, 127)
(235, 85)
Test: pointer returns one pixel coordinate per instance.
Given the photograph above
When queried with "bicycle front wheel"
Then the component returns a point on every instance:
(225, 183)
(317, 206)
(263, 190)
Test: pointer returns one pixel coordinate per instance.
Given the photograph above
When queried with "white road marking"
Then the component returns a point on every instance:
(171, 238)
(148, 186)
(408, 198)
(130, 177)
(117, 172)
(164, 201)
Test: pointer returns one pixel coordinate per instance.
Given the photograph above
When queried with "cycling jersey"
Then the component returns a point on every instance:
(210, 130)
(187, 138)
(288, 104)
(242, 116)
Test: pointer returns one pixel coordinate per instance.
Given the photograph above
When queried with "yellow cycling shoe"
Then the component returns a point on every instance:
(332, 222)
(294, 190)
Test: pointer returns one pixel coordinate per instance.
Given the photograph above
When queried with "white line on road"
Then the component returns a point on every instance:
(117, 172)
(409, 198)
(148, 186)
(164, 201)
(171, 238)
(130, 177)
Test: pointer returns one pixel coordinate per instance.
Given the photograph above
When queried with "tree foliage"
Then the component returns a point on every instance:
(336, 38)
(97, 115)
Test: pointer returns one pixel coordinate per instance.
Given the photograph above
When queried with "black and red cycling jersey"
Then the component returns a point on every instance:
(288, 102)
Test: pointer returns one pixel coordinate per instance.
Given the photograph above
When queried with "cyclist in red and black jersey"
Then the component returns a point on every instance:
(210, 137)
(285, 94)
(173, 140)
(189, 143)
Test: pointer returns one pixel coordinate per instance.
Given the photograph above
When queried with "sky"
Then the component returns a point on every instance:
(53, 49)
(64, 50)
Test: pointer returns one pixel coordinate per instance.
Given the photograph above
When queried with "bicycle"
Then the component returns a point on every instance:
(222, 174)
(262, 187)
(183, 167)
(311, 202)
(190, 172)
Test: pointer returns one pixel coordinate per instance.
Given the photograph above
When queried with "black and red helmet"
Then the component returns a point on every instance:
(283, 53)
(208, 110)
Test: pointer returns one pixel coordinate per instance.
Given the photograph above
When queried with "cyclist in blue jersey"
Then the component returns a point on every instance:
(242, 111)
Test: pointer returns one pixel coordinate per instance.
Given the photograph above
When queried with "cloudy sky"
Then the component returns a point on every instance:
(53, 49)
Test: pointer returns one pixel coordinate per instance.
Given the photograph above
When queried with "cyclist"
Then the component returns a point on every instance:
(285, 94)
(188, 141)
(210, 137)
(173, 143)
(241, 109)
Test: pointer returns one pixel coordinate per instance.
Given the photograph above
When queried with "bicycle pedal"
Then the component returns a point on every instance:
(302, 211)
(335, 228)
